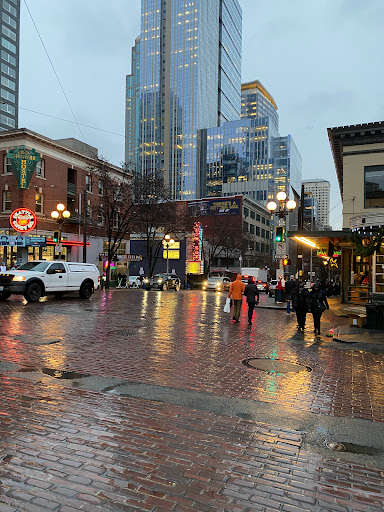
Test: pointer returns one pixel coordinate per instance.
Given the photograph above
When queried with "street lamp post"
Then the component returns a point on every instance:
(167, 242)
(60, 215)
(285, 207)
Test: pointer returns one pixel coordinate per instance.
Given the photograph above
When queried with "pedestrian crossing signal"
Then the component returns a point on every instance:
(286, 262)
(56, 237)
(279, 233)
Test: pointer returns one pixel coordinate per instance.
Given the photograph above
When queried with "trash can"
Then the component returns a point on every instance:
(375, 316)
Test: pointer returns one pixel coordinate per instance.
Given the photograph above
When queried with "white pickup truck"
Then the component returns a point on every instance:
(37, 278)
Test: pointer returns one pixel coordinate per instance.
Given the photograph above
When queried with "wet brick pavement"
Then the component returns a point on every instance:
(66, 449)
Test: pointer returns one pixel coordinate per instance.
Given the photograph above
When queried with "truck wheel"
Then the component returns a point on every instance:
(86, 290)
(4, 295)
(33, 292)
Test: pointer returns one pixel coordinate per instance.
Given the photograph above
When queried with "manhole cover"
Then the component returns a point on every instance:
(275, 365)
(61, 374)
(36, 340)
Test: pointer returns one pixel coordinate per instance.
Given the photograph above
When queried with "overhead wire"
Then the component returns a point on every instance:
(54, 70)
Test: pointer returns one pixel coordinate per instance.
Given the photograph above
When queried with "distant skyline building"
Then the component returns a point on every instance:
(186, 76)
(9, 73)
(321, 190)
(257, 102)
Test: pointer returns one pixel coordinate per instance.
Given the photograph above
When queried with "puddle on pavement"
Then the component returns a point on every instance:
(57, 374)
(275, 365)
(353, 448)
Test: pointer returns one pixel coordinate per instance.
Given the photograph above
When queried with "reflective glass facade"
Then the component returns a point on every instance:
(9, 70)
(257, 102)
(248, 157)
(187, 80)
(132, 110)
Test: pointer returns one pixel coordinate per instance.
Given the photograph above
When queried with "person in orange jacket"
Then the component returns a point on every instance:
(236, 290)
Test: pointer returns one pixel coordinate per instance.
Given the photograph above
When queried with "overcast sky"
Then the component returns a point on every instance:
(321, 60)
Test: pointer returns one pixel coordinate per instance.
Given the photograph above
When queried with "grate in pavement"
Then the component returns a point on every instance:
(275, 365)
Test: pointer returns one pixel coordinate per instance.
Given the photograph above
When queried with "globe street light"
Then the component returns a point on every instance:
(60, 215)
(283, 209)
(167, 242)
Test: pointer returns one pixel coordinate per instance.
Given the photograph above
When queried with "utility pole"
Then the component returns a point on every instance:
(85, 226)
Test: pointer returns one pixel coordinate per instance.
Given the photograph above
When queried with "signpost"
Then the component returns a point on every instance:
(281, 251)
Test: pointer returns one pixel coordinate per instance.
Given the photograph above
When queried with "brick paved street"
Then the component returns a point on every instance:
(236, 440)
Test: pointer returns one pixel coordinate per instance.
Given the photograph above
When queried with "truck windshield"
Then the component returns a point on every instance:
(38, 266)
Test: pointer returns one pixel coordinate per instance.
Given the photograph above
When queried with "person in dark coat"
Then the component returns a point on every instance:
(252, 294)
(317, 303)
(300, 303)
(289, 287)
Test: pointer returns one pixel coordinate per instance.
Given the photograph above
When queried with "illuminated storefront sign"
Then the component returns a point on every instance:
(22, 219)
(197, 245)
(323, 253)
(23, 163)
(214, 207)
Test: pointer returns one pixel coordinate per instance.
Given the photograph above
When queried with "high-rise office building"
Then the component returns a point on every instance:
(257, 102)
(320, 190)
(132, 108)
(187, 77)
(9, 73)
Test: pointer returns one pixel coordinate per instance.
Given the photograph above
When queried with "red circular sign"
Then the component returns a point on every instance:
(23, 219)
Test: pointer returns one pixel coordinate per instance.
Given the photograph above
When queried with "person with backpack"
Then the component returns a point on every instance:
(251, 292)
(300, 303)
(318, 303)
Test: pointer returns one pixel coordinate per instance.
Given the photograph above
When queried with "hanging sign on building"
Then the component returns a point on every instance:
(22, 219)
(23, 163)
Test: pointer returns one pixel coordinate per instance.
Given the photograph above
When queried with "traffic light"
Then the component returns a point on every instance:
(279, 233)
(286, 262)
(56, 237)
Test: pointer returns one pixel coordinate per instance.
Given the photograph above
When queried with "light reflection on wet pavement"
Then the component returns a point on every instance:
(69, 449)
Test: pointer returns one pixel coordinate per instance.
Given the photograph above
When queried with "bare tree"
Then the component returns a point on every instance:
(116, 208)
(155, 215)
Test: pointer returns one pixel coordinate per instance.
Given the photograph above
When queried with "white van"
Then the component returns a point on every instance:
(37, 278)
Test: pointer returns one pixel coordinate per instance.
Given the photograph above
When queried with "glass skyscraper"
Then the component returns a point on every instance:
(257, 102)
(9, 75)
(187, 77)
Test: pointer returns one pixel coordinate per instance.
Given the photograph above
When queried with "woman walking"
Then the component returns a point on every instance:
(318, 303)
(300, 303)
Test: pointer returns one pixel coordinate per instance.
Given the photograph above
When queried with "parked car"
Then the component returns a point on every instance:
(272, 287)
(134, 282)
(217, 283)
(37, 278)
(262, 287)
(163, 282)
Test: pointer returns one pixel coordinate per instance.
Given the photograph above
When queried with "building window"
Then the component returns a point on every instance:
(374, 186)
(252, 215)
(6, 95)
(39, 203)
(100, 188)
(8, 45)
(263, 233)
(9, 20)
(7, 166)
(8, 7)
(8, 121)
(246, 212)
(263, 220)
(245, 227)
(252, 229)
(8, 58)
(8, 83)
(257, 231)
(88, 183)
(258, 217)
(7, 201)
(8, 70)
(40, 169)
(8, 32)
